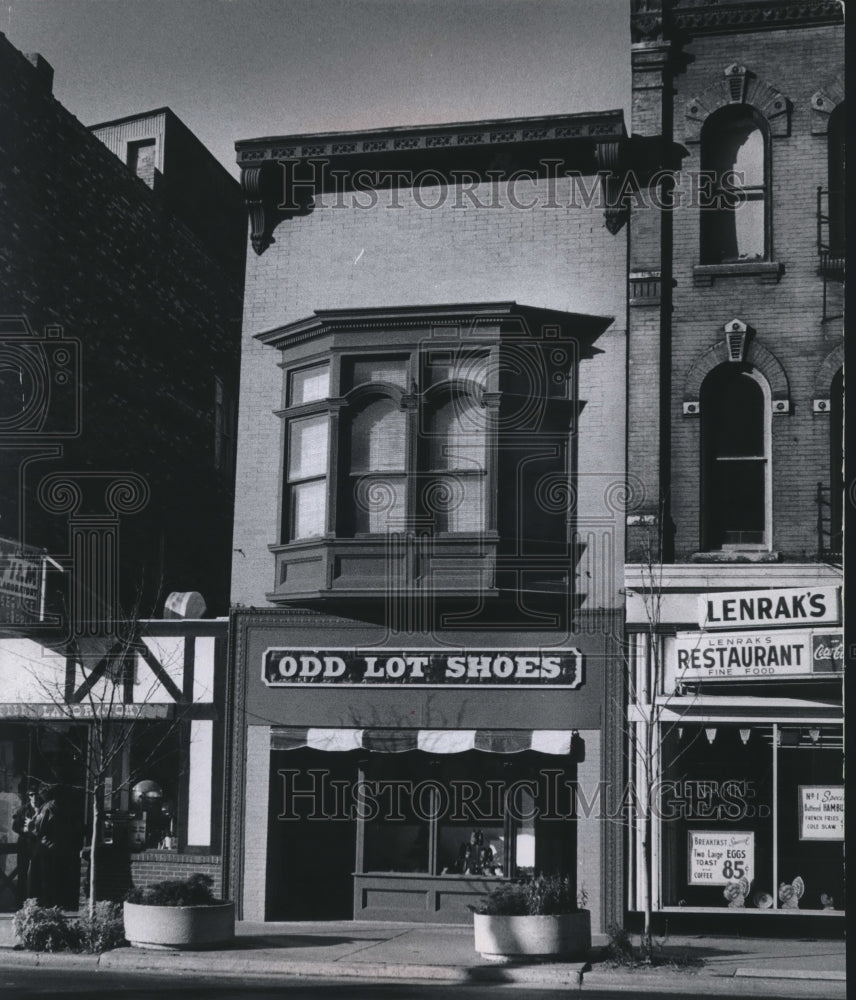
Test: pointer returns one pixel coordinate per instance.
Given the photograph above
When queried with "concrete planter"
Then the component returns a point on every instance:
(561, 936)
(179, 927)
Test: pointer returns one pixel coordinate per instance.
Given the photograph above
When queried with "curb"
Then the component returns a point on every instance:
(835, 976)
(558, 975)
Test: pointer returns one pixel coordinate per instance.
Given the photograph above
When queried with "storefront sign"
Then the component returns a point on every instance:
(821, 812)
(20, 582)
(84, 710)
(728, 656)
(789, 606)
(285, 667)
(717, 858)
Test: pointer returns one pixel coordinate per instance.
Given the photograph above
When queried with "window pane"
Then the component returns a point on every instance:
(309, 384)
(749, 229)
(377, 438)
(811, 817)
(379, 503)
(307, 452)
(457, 436)
(738, 500)
(393, 370)
(733, 413)
(456, 502)
(308, 508)
(717, 811)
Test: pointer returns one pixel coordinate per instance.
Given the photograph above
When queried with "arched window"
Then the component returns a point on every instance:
(735, 485)
(378, 466)
(734, 221)
(836, 177)
(836, 462)
(456, 447)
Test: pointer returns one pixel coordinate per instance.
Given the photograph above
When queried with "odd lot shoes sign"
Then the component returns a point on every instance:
(285, 667)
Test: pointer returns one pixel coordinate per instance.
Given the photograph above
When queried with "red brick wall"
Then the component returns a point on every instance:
(785, 315)
(119, 871)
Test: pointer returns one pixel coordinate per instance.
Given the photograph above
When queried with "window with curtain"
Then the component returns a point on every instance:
(307, 476)
(735, 417)
(378, 466)
(734, 226)
(455, 457)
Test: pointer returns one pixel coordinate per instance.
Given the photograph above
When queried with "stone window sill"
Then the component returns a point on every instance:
(769, 271)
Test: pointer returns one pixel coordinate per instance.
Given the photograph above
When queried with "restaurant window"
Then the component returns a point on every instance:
(734, 225)
(735, 446)
(752, 816)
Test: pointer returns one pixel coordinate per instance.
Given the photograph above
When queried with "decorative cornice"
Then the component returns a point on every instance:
(698, 17)
(425, 138)
(482, 317)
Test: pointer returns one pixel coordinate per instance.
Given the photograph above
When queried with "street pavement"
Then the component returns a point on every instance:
(390, 953)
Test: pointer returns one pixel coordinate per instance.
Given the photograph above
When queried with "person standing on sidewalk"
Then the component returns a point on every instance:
(46, 826)
(22, 824)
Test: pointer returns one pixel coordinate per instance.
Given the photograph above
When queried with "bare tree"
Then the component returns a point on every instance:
(648, 711)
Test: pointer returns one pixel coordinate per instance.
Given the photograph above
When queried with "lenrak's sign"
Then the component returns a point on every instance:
(806, 606)
(373, 667)
(730, 656)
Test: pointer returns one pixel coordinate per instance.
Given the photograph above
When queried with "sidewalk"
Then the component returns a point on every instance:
(444, 953)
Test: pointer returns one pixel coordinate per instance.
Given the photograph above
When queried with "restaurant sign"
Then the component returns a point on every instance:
(821, 810)
(729, 656)
(806, 606)
(414, 668)
(717, 857)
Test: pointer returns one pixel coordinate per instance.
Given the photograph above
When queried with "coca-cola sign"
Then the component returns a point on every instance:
(827, 653)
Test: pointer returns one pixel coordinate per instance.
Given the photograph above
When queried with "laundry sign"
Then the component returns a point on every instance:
(730, 656)
(521, 668)
(716, 858)
(806, 606)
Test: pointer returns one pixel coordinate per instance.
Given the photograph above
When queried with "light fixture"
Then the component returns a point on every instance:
(744, 735)
(710, 733)
(814, 733)
(680, 732)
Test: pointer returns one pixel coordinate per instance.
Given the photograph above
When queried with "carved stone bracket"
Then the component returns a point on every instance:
(259, 206)
(610, 157)
(739, 85)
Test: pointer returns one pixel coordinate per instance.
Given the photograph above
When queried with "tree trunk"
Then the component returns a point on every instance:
(93, 853)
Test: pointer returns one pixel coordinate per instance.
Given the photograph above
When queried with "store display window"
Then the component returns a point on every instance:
(752, 816)
(467, 814)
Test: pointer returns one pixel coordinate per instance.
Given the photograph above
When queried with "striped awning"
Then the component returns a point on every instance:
(551, 741)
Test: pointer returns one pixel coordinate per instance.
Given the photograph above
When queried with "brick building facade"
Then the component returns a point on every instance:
(429, 516)
(735, 450)
(121, 272)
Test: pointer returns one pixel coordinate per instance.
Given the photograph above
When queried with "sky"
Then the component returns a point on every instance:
(238, 69)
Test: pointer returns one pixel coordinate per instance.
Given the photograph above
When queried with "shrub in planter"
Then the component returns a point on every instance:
(536, 917)
(178, 914)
